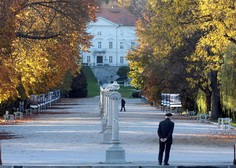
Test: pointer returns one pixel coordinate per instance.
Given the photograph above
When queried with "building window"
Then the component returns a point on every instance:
(121, 32)
(99, 33)
(88, 59)
(110, 45)
(122, 60)
(132, 44)
(121, 45)
(99, 44)
(110, 59)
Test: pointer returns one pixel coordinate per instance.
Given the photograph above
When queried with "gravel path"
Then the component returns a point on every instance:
(69, 134)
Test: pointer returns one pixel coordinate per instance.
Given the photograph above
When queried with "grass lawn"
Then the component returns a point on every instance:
(93, 86)
(233, 123)
(126, 92)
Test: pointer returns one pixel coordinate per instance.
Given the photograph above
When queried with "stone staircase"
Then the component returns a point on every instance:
(105, 74)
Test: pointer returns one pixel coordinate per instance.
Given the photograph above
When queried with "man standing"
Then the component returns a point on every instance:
(122, 104)
(165, 131)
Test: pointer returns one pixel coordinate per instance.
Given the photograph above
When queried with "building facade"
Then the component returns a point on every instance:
(113, 36)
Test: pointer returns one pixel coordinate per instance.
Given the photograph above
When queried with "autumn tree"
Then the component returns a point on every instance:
(228, 82)
(136, 7)
(41, 43)
(216, 20)
(172, 21)
(7, 36)
(152, 68)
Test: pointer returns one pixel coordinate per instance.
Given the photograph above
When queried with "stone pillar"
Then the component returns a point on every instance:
(115, 97)
(107, 135)
(115, 154)
(234, 161)
(109, 119)
(101, 101)
(0, 154)
(105, 110)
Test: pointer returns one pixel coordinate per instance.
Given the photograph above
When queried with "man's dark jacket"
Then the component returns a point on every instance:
(165, 130)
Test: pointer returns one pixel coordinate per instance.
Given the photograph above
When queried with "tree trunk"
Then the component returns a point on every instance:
(208, 101)
(215, 95)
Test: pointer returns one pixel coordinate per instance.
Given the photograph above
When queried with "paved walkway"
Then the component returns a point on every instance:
(69, 134)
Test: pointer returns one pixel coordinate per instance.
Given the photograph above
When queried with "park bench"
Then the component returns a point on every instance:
(190, 114)
(8, 117)
(28, 112)
(35, 108)
(224, 123)
(202, 117)
(171, 102)
(18, 115)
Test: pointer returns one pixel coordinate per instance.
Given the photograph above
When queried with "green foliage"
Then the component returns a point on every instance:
(93, 86)
(106, 1)
(228, 81)
(6, 106)
(65, 85)
(123, 72)
(201, 102)
(78, 86)
(136, 94)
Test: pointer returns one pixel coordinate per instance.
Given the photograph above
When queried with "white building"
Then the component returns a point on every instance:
(114, 35)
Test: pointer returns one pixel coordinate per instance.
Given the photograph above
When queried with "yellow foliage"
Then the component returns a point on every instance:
(38, 43)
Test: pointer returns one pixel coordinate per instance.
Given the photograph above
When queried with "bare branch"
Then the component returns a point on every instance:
(36, 37)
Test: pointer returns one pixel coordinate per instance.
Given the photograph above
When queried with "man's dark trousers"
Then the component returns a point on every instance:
(164, 146)
(165, 131)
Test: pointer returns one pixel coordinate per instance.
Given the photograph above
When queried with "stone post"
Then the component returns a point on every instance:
(0, 154)
(109, 121)
(104, 117)
(234, 162)
(115, 97)
(115, 154)
(107, 135)
(101, 101)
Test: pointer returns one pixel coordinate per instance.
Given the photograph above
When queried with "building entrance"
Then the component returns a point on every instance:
(99, 59)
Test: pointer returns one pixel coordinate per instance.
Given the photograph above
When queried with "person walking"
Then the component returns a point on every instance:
(122, 104)
(165, 131)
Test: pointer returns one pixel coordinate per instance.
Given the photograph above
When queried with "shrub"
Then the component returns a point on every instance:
(136, 94)
(79, 86)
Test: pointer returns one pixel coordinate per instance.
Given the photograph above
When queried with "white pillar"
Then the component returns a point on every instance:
(104, 117)
(115, 154)
(100, 101)
(115, 97)
(107, 135)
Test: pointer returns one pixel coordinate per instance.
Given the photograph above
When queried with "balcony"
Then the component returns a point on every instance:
(99, 50)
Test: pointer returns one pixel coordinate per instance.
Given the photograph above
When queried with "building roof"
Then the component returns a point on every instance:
(117, 15)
